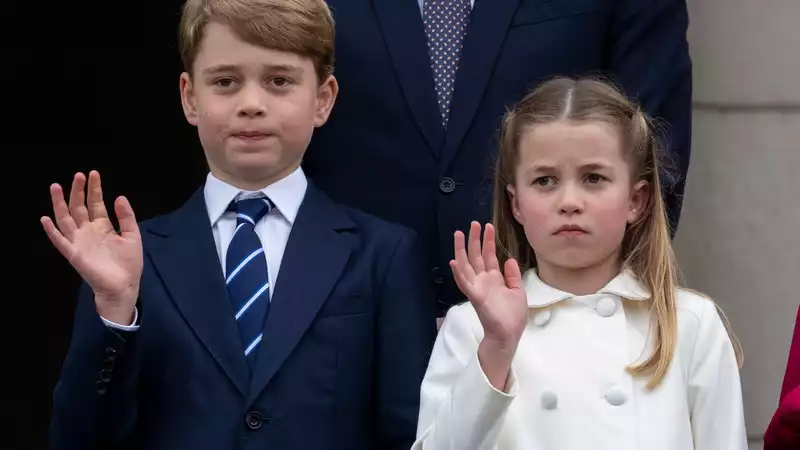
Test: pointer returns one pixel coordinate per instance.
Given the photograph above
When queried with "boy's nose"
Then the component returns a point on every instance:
(251, 103)
(252, 109)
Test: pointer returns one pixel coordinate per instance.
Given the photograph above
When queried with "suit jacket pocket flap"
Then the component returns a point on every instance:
(546, 10)
(346, 305)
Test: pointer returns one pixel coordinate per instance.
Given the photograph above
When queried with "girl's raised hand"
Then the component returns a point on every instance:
(498, 297)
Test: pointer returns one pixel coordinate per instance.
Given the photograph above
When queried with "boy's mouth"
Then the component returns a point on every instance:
(251, 135)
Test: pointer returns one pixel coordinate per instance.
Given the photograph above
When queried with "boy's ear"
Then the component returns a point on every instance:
(640, 196)
(188, 99)
(326, 97)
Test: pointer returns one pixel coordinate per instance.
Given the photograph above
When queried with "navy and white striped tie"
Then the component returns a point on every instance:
(246, 274)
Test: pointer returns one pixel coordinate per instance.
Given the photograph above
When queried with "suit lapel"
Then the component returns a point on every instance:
(186, 259)
(486, 32)
(404, 33)
(313, 260)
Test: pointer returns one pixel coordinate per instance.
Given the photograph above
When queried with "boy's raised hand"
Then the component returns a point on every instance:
(498, 299)
(110, 262)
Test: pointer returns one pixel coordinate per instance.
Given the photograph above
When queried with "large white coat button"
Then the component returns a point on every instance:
(615, 397)
(542, 317)
(606, 307)
(549, 400)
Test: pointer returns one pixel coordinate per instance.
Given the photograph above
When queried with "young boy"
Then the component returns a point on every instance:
(259, 315)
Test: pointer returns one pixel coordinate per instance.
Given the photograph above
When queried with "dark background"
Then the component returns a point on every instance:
(87, 85)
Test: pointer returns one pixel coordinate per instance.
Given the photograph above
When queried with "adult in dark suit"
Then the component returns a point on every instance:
(260, 314)
(407, 143)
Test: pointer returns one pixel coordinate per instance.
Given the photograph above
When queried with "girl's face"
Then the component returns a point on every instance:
(574, 194)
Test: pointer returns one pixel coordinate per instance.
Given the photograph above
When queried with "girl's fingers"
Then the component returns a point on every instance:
(513, 275)
(462, 261)
(489, 252)
(463, 285)
(474, 248)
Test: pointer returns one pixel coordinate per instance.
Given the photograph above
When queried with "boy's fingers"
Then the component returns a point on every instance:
(97, 209)
(62, 244)
(77, 200)
(127, 220)
(61, 212)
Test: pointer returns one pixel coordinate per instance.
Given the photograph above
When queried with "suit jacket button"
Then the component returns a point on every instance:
(447, 185)
(101, 387)
(436, 274)
(253, 420)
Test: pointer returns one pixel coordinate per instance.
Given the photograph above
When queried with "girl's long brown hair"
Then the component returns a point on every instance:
(646, 247)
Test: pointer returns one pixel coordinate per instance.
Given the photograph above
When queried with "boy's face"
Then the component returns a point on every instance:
(255, 108)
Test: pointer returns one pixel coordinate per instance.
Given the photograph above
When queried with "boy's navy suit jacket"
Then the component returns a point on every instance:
(345, 346)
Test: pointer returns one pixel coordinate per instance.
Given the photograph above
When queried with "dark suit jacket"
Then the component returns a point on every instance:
(384, 149)
(783, 432)
(345, 345)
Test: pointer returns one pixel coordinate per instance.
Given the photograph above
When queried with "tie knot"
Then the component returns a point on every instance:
(251, 210)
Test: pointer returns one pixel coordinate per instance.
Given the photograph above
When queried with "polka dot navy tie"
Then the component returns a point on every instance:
(445, 26)
(246, 274)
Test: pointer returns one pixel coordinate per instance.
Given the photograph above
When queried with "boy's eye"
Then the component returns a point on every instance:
(544, 181)
(224, 82)
(281, 82)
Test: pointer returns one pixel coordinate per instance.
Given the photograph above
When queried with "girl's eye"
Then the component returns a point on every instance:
(544, 181)
(594, 178)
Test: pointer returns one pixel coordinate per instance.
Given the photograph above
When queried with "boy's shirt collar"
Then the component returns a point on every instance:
(286, 194)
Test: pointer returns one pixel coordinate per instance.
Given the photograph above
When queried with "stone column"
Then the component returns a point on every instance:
(739, 237)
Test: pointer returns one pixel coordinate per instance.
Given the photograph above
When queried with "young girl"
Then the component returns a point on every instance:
(583, 340)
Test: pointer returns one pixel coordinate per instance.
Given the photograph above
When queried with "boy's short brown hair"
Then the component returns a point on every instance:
(304, 27)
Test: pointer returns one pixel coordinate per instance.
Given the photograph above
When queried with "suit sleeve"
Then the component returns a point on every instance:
(714, 387)
(648, 55)
(460, 409)
(406, 329)
(94, 404)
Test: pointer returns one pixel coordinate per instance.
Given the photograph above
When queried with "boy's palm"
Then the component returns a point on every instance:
(111, 263)
(499, 299)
